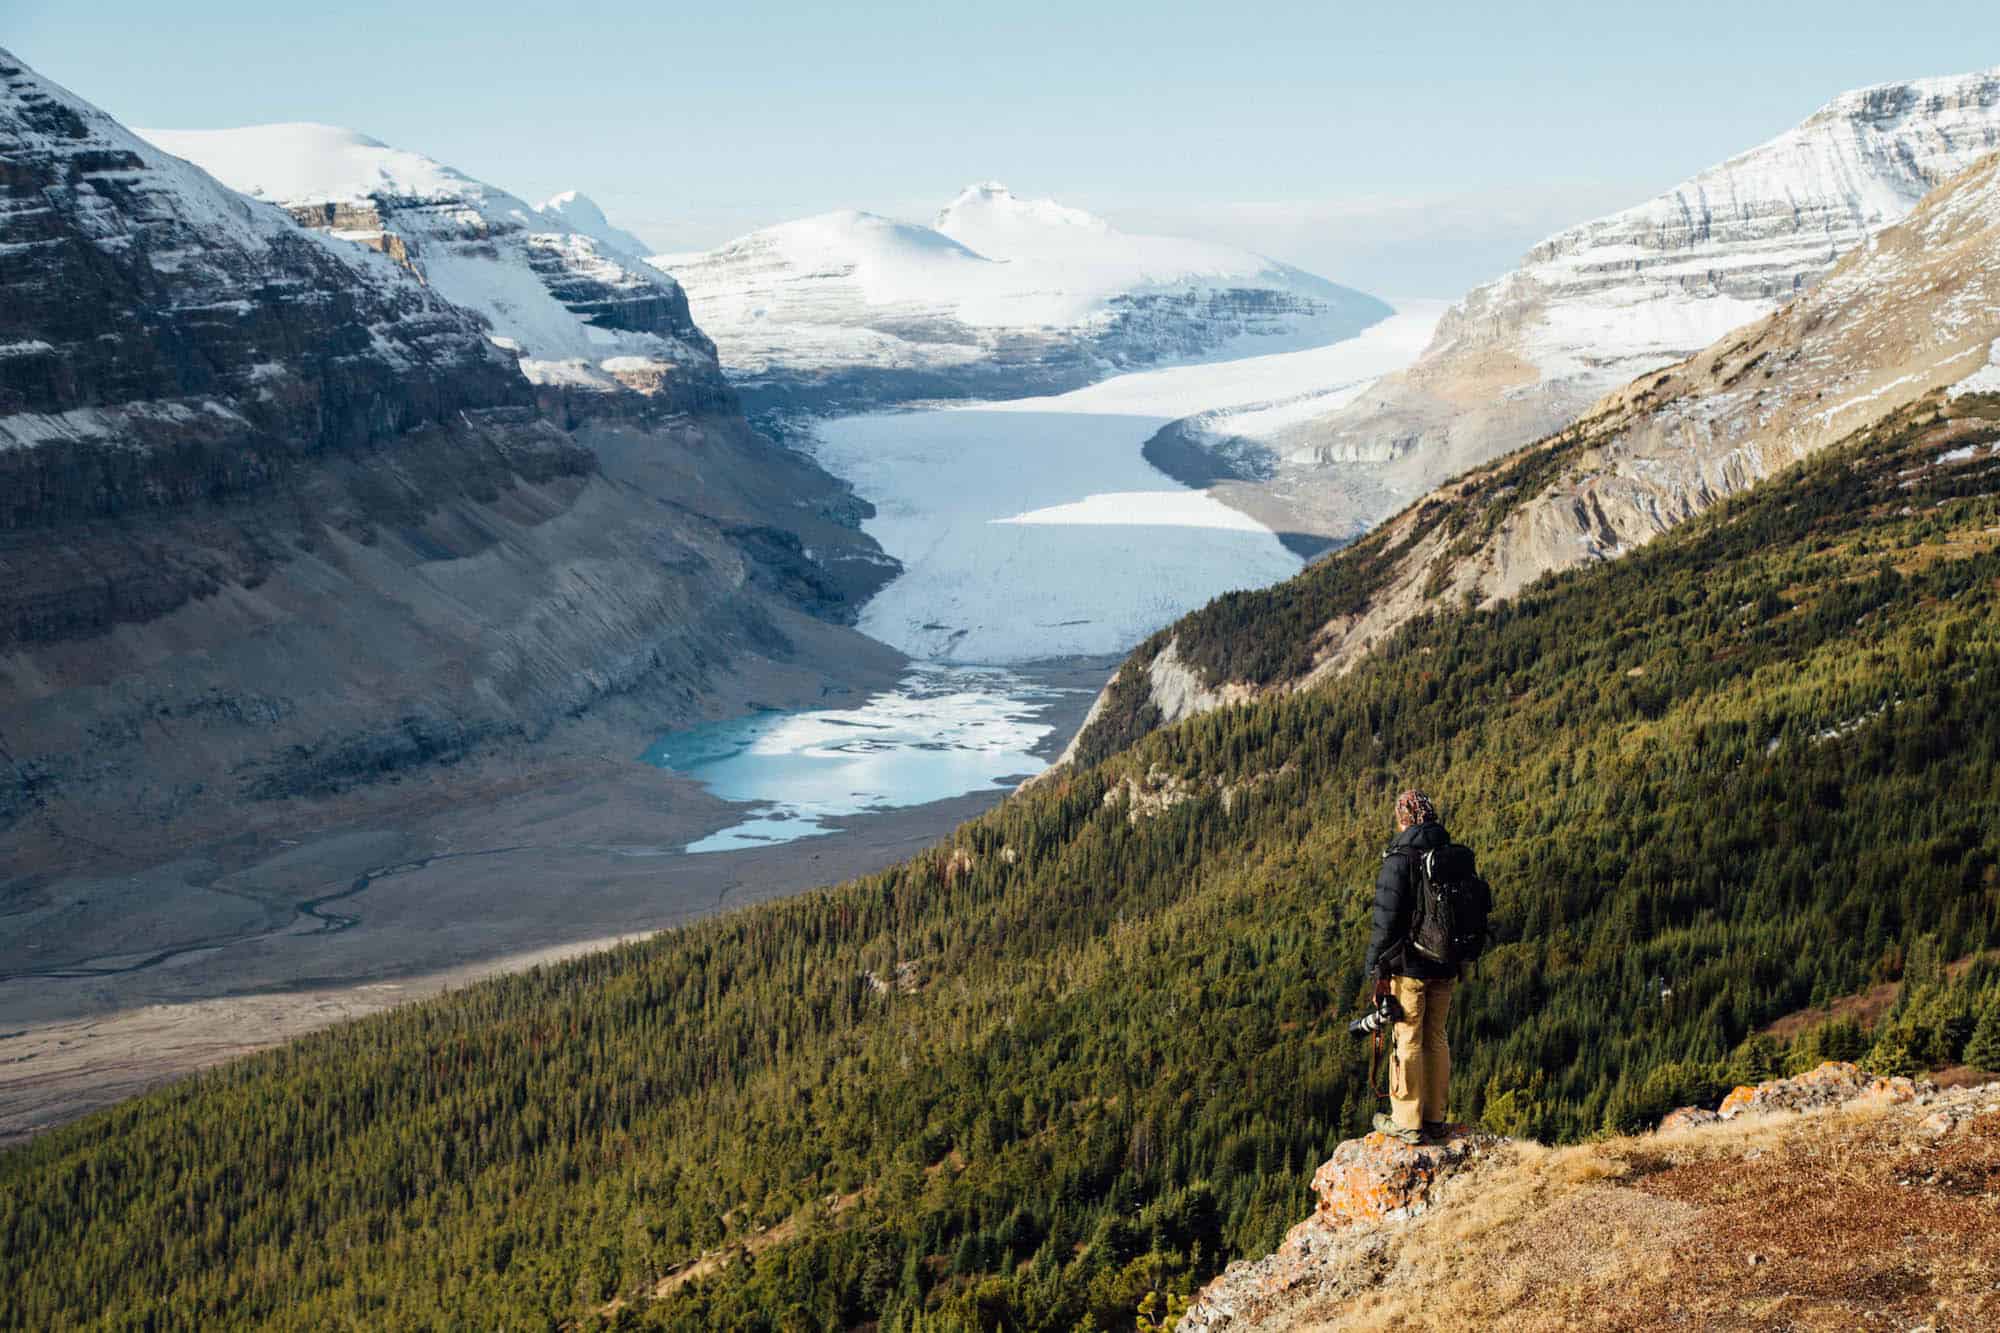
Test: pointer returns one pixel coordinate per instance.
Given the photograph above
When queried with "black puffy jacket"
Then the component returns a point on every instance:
(1396, 898)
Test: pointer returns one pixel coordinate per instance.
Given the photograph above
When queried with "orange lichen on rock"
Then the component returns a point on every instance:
(1368, 1184)
(1831, 1084)
(1376, 1178)
(1739, 1097)
(1689, 1117)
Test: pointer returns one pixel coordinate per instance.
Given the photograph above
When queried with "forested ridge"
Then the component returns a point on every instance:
(1267, 637)
(1087, 1050)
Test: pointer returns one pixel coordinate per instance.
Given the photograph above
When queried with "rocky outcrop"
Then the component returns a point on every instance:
(1883, 1213)
(1178, 691)
(1592, 307)
(1833, 1083)
(1161, 789)
(1368, 1184)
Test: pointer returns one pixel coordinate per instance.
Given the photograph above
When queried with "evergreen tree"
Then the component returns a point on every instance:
(1982, 1051)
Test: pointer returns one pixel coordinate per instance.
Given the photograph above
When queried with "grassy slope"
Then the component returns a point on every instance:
(1757, 757)
(1847, 1219)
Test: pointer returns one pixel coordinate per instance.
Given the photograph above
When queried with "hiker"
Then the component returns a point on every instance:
(1420, 1069)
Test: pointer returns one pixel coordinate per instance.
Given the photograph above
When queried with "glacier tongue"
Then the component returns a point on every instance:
(1034, 528)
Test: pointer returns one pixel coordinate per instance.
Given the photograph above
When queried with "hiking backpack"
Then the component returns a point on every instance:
(1449, 924)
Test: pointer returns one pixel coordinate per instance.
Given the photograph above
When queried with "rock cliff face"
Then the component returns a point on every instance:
(1368, 1184)
(1594, 306)
(1002, 297)
(1901, 330)
(581, 313)
(162, 341)
(276, 519)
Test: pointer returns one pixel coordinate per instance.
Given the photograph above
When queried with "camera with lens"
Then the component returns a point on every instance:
(1386, 1013)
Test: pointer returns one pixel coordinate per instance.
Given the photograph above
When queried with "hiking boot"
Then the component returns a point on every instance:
(1384, 1125)
(1437, 1131)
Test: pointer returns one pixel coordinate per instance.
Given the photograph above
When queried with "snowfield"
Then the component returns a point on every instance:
(1986, 379)
(1033, 528)
(299, 162)
(996, 282)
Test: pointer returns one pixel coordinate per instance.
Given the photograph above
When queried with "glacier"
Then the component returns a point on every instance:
(1034, 528)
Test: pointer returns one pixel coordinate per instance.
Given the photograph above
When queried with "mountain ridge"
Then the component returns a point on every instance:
(227, 441)
(1627, 294)
(582, 315)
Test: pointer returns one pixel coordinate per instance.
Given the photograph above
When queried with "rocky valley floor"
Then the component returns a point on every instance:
(134, 972)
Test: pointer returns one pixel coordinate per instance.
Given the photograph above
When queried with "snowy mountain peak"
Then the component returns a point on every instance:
(1901, 98)
(575, 211)
(1599, 303)
(1002, 297)
(998, 223)
(557, 285)
(303, 162)
(851, 235)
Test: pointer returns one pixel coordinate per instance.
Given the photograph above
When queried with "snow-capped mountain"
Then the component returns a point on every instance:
(579, 212)
(580, 310)
(182, 335)
(1613, 298)
(1001, 296)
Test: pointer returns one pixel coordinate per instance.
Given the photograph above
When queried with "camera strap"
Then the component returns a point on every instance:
(1375, 1061)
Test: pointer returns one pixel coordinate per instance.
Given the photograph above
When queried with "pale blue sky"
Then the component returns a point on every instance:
(1408, 149)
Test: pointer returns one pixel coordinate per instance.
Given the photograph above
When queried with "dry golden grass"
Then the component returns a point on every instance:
(1787, 1223)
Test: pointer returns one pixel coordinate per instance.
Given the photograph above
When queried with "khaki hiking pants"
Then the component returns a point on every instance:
(1420, 1071)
